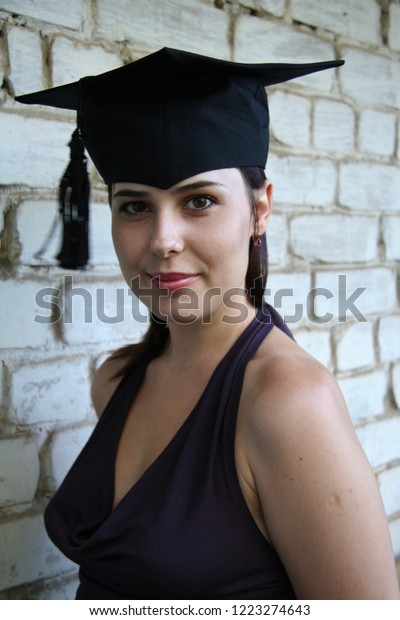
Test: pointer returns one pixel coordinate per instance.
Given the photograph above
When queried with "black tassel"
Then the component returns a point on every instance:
(74, 207)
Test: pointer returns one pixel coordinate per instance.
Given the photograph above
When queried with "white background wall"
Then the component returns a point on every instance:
(335, 164)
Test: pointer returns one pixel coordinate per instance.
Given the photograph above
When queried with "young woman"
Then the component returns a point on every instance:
(224, 463)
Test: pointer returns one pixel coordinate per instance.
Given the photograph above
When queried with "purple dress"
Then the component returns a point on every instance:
(183, 531)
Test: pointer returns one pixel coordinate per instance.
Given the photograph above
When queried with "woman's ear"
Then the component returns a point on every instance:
(110, 188)
(263, 207)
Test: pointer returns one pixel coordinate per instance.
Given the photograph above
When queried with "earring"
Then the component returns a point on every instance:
(256, 238)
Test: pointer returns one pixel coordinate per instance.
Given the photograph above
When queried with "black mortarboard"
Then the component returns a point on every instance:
(160, 120)
(174, 114)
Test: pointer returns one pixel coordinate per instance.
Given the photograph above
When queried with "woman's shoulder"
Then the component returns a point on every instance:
(105, 381)
(280, 361)
(285, 386)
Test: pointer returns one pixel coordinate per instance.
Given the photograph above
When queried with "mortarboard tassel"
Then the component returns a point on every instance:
(74, 207)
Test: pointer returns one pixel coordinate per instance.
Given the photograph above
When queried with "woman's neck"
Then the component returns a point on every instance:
(205, 342)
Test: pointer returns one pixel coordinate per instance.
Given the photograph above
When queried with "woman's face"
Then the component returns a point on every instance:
(184, 250)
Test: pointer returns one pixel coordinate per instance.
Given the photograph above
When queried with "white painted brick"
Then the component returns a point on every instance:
(191, 25)
(60, 590)
(380, 441)
(333, 126)
(365, 394)
(25, 55)
(19, 467)
(372, 187)
(370, 78)
(61, 587)
(67, 14)
(316, 342)
(355, 347)
(101, 246)
(315, 237)
(396, 383)
(275, 7)
(391, 236)
(394, 27)
(33, 151)
(302, 181)
(3, 205)
(65, 447)
(260, 40)
(377, 132)
(287, 293)
(291, 118)
(379, 294)
(26, 553)
(277, 237)
(102, 312)
(3, 66)
(358, 19)
(398, 141)
(34, 221)
(394, 528)
(389, 485)
(73, 60)
(389, 338)
(3, 385)
(50, 391)
(18, 309)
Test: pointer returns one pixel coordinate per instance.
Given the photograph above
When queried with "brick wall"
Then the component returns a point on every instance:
(334, 237)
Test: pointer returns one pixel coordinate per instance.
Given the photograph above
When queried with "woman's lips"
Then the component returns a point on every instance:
(172, 281)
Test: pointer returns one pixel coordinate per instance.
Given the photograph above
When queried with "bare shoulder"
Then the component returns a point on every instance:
(104, 383)
(285, 386)
(290, 404)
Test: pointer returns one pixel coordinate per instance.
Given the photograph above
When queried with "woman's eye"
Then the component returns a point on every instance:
(199, 203)
(134, 208)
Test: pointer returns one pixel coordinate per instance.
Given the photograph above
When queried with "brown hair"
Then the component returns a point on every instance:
(256, 280)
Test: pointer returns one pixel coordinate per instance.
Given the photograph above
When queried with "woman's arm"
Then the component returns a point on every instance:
(319, 497)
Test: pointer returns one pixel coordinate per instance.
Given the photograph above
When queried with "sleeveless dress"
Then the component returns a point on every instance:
(183, 531)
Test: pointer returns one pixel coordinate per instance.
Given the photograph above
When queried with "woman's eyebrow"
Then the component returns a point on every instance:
(132, 193)
(197, 185)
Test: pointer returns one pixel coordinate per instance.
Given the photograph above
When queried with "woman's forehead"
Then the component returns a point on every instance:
(226, 179)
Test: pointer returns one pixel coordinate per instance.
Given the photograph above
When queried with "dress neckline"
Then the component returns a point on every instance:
(261, 317)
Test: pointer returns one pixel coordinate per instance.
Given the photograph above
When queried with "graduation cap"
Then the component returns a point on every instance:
(173, 114)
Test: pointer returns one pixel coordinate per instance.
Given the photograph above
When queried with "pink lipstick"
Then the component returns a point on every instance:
(173, 281)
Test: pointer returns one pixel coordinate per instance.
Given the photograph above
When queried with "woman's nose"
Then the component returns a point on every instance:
(167, 235)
